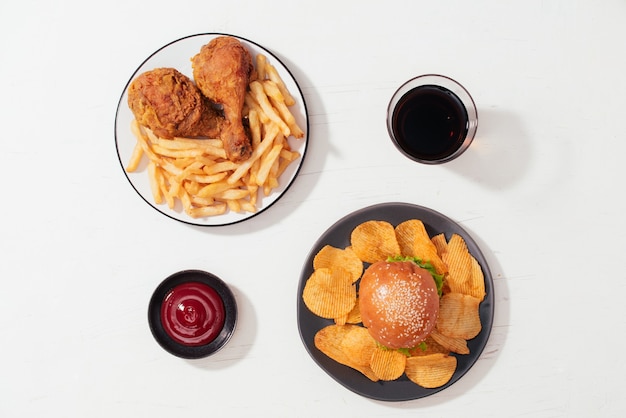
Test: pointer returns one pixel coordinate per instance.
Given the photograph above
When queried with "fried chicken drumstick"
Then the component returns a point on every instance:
(222, 70)
(170, 104)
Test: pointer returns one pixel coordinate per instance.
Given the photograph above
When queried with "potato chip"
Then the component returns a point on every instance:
(358, 345)
(459, 316)
(415, 242)
(388, 364)
(464, 273)
(429, 346)
(329, 293)
(329, 341)
(431, 371)
(331, 257)
(440, 243)
(477, 281)
(456, 345)
(374, 241)
(354, 316)
(458, 259)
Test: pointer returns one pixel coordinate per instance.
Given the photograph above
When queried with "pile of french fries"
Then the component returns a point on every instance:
(196, 172)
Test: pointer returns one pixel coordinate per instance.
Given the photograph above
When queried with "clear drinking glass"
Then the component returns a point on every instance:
(432, 119)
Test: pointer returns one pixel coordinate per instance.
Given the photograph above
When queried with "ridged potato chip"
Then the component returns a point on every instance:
(459, 316)
(358, 345)
(430, 346)
(329, 341)
(374, 241)
(331, 257)
(329, 293)
(341, 320)
(352, 317)
(440, 242)
(464, 273)
(388, 364)
(458, 259)
(477, 281)
(415, 242)
(431, 371)
(454, 344)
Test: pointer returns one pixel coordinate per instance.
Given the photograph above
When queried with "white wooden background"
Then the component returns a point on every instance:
(541, 189)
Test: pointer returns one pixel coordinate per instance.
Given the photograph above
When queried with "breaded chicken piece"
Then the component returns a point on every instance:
(222, 70)
(170, 104)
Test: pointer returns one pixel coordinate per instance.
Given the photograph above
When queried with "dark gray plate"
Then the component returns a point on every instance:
(338, 235)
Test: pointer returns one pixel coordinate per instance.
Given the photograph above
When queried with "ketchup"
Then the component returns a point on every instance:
(192, 313)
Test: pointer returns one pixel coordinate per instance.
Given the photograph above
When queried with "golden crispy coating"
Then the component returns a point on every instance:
(223, 70)
(170, 104)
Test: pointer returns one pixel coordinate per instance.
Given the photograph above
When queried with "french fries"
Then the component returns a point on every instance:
(195, 175)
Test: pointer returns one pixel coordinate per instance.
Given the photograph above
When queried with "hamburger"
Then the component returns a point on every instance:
(399, 303)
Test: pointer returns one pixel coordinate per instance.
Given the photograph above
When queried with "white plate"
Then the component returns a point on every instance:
(177, 54)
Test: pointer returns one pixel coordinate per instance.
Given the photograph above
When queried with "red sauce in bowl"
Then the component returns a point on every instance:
(192, 314)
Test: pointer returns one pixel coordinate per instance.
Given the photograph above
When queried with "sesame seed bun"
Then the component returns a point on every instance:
(399, 303)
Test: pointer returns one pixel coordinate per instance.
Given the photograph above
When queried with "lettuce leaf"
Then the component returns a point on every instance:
(426, 266)
(406, 351)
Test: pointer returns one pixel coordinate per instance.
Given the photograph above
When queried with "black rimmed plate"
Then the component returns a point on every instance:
(178, 54)
(338, 235)
(187, 351)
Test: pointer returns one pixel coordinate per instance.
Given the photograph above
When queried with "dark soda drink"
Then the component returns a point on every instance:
(430, 123)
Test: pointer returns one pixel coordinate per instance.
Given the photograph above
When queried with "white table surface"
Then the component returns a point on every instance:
(541, 189)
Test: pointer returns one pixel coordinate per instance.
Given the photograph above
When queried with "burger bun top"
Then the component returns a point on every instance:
(399, 303)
